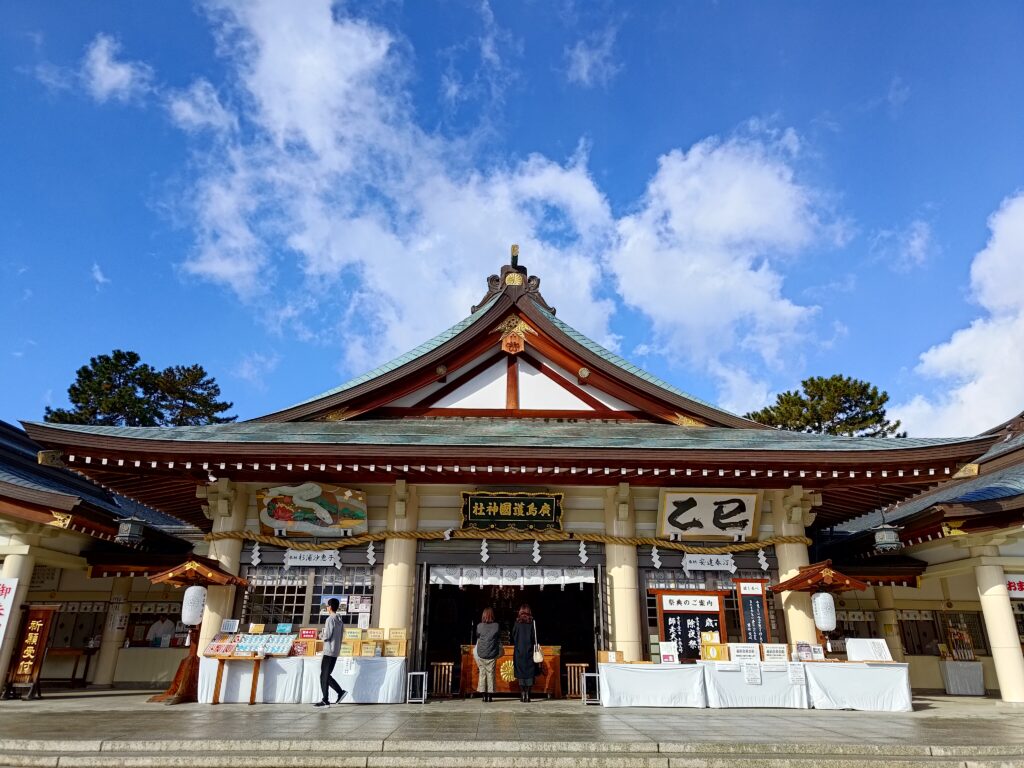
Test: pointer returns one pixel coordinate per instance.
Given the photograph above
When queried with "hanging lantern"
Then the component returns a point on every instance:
(129, 532)
(192, 606)
(887, 538)
(824, 607)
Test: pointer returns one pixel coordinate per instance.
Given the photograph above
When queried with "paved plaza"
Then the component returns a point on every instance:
(126, 716)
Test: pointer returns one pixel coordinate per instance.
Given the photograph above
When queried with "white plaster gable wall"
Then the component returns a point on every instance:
(612, 402)
(484, 391)
(538, 392)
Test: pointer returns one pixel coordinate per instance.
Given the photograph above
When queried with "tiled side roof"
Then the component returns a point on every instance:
(408, 357)
(621, 362)
(1015, 442)
(998, 485)
(499, 432)
(18, 467)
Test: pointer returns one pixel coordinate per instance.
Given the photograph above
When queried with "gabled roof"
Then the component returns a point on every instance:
(514, 291)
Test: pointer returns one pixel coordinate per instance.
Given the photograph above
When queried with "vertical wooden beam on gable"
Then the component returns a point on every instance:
(512, 383)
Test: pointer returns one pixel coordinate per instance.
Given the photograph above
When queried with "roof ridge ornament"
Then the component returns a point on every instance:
(515, 281)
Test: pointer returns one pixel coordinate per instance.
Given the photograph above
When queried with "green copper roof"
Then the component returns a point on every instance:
(508, 433)
(622, 363)
(408, 357)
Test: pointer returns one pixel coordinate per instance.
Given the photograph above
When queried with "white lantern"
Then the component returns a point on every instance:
(192, 606)
(824, 611)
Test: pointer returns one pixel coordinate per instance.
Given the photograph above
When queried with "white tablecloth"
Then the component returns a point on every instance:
(963, 678)
(296, 680)
(280, 681)
(729, 689)
(652, 685)
(377, 680)
(868, 687)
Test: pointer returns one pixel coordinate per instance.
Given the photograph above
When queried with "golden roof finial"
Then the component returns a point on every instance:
(515, 255)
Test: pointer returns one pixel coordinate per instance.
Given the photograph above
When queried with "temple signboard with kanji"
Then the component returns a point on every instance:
(501, 510)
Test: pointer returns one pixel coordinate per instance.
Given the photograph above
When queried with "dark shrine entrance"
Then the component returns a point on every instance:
(564, 617)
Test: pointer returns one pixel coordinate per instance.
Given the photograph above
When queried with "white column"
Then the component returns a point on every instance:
(398, 585)
(229, 510)
(788, 519)
(113, 632)
(1000, 626)
(623, 575)
(16, 566)
(886, 622)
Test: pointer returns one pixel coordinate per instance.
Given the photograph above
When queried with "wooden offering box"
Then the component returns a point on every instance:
(548, 680)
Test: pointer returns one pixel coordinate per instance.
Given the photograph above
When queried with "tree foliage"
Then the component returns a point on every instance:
(120, 390)
(837, 405)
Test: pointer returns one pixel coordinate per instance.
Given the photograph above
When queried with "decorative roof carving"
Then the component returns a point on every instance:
(515, 281)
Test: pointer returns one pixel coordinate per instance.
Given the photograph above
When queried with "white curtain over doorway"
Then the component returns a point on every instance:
(509, 576)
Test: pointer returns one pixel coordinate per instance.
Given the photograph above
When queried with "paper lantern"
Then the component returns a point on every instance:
(824, 608)
(192, 606)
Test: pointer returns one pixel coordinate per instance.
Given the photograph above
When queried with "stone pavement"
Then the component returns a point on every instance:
(101, 716)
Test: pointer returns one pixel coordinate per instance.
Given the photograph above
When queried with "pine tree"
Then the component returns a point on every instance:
(837, 405)
(120, 390)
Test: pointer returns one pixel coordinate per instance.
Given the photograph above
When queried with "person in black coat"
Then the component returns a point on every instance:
(522, 651)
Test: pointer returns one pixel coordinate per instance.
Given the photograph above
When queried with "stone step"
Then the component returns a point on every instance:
(325, 753)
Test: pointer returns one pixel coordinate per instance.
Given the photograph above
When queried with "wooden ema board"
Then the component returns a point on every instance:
(751, 595)
(548, 680)
(683, 615)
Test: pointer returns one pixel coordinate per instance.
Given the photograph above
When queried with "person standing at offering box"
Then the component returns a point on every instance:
(487, 651)
(331, 634)
(522, 653)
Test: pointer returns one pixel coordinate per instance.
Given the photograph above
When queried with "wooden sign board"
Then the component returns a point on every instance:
(312, 509)
(501, 510)
(753, 603)
(27, 659)
(685, 616)
(709, 515)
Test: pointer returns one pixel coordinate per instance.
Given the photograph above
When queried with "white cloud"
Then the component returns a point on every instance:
(386, 222)
(591, 61)
(898, 93)
(906, 249)
(696, 259)
(98, 277)
(980, 368)
(199, 107)
(107, 78)
(256, 366)
(339, 218)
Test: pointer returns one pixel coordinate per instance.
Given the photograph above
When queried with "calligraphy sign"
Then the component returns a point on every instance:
(27, 660)
(509, 509)
(753, 610)
(708, 515)
(8, 589)
(1015, 586)
(328, 558)
(709, 563)
(685, 618)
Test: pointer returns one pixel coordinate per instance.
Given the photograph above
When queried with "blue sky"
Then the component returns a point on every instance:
(733, 195)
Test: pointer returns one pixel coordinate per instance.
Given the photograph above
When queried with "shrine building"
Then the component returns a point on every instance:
(512, 460)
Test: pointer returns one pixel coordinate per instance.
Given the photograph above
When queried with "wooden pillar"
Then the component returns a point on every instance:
(229, 506)
(398, 585)
(623, 574)
(790, 511)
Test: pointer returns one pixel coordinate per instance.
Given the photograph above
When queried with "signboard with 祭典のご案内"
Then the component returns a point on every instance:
(689, 618)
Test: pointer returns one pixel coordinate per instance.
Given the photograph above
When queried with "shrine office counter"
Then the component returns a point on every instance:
(871, 687)
(296, 680)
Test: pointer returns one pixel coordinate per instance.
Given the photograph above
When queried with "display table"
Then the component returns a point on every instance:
(652, 685)
(548, 680)
(368, 680)
(963, 678)
(296, 680)
(279, 681)
(726, 687)
(863, 686)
